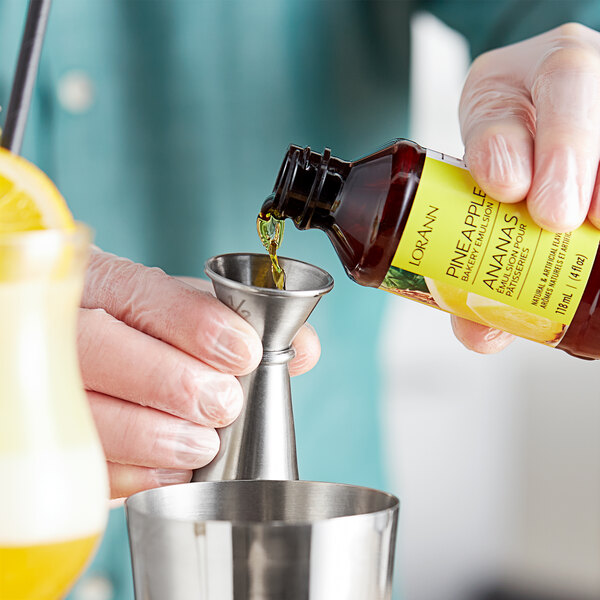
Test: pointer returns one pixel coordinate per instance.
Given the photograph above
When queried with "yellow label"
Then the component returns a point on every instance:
(488, 261)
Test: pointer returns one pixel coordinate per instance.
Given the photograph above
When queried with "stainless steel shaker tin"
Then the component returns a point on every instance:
(251, 540)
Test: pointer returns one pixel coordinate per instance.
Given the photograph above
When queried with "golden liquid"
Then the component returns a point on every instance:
(44, 572)
(270, 231)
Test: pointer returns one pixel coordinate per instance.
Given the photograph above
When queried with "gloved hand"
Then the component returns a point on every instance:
(159, 359)
(530, 121)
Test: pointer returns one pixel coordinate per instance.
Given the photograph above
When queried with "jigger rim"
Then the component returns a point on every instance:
(141, 503)
(232, 283)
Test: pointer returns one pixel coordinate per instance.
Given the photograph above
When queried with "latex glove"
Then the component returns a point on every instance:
(530, 121)
(159, 359)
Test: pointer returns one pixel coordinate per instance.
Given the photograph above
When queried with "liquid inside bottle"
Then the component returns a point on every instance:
(413, 222)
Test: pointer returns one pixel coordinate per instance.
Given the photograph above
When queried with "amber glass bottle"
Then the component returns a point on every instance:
(366, 209)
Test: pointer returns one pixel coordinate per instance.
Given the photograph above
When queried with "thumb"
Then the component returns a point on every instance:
(479, 338)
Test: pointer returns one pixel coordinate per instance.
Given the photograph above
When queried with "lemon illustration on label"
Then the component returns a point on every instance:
(514, 320)
(450, 298)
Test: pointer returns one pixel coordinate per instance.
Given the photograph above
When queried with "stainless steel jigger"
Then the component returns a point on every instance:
(263, 539)
(261, 443)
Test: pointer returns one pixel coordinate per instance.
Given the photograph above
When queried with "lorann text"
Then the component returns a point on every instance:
(420, 247)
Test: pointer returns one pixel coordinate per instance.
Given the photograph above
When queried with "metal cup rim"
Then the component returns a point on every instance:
(133, 500)
(319, 291)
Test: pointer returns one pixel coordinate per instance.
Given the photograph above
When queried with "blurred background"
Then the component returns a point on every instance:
(496, 459)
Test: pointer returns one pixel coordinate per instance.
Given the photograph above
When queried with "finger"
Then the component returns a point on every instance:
(308, 350)
(170, 310)
(199, 284)
(306, 343)
(594, 213)
(127, 479)
(497, 123)
(123, 362)
(566, 94)
(479, 338)
(137, 435)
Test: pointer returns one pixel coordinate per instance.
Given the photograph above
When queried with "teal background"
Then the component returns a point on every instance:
(195, 102)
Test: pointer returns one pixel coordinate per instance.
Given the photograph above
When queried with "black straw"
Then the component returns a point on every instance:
(25, 75)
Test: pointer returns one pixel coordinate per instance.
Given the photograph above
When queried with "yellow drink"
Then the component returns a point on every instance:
(53, 503)
(43, 571)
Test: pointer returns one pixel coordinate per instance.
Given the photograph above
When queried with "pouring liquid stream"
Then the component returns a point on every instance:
(270, 231)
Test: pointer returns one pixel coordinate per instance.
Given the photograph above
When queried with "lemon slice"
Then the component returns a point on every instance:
(514, 320)
(450, 298)
(28, 198)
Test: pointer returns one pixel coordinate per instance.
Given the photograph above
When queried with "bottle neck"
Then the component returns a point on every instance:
(307, 187)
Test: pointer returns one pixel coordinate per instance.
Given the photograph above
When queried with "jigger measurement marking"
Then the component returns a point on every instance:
(238, 309)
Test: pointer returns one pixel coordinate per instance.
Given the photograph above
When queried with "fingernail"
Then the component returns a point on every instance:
(213, 399)
(237, 350)
(219, 400)
(508, 169)
(497, 340)
(307, 350)
(171, 476)
(503, 165)
(192, 446)
(560, 199)
(493, 334)
(299, 363)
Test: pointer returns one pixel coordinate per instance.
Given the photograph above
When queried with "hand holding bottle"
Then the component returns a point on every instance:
(530, 117)
(159, 359)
